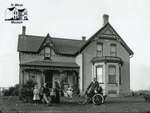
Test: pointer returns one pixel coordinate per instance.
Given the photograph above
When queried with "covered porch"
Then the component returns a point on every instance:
(67, 74)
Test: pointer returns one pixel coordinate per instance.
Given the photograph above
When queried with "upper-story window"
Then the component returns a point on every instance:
(47, 53)
(99, 49)
(113, 50)
(112, 74)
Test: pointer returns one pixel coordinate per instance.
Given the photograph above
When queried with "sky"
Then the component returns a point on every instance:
(74, 19)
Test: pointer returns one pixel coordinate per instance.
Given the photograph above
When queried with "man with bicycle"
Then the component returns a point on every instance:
(92, 89)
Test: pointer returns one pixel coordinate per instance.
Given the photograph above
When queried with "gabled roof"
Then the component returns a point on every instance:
(67, 46)
(29, 43)
(101, 33)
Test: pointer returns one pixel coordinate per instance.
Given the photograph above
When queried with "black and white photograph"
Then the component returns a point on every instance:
(74, 56)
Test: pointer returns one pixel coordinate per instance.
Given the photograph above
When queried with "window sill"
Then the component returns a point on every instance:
(116, 84)
(112, 83)
(101, 83)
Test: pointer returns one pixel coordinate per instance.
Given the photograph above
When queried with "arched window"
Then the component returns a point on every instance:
(47, 53)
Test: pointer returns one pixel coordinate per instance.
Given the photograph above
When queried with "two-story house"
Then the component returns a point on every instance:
(75, 62)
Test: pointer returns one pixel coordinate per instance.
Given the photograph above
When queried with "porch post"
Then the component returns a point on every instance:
(61, 81)
(77, 81)
(20, 80)
(42, 77)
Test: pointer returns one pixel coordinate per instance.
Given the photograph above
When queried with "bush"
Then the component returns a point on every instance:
(26, 92)
(16, 90)
(11, 91)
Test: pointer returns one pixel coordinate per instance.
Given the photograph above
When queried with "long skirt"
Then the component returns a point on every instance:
(36, 97)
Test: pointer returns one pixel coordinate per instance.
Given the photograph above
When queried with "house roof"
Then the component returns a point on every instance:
(29, 43)
(48, 63)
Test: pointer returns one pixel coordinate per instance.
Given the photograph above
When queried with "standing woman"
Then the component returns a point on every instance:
(57, 89)
(41, 93)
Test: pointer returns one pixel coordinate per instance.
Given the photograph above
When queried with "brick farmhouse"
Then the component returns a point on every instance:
(76, 62)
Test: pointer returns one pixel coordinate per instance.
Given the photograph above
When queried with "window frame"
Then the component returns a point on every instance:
(96, 67)
(48, 56)
(99, 52)
(32, 76)
(112, 53)
(109, 74)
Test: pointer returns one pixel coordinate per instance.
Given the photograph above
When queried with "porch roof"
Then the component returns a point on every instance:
(49, 63)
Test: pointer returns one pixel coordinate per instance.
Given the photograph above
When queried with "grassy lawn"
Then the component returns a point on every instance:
(113, 105)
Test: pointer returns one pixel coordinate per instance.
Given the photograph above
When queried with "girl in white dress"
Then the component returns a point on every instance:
(69, 91)
(36, 97)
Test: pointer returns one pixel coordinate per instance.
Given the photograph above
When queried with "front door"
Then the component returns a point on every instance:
(49, 78)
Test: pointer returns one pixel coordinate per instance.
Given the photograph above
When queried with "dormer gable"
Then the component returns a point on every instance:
(47, 47)
(47, 43)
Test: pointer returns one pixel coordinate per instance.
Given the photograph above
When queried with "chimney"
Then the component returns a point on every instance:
(23, 30)
(84, 38)
(105, 19)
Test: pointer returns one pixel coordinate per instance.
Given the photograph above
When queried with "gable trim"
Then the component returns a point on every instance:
(42, 45)
(99, 31)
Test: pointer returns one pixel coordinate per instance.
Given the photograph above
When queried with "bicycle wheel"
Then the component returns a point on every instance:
(97, 99)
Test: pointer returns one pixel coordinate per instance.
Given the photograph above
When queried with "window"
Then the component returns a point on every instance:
(112, 74)
(66, 79)
(99, 74)
(112, 92)
(32, 76)
(113, 50)
(99, 49)
(47, 53)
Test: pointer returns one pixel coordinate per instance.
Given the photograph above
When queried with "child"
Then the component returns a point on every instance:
(53, 95)
(36, 97)
(69, 91)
